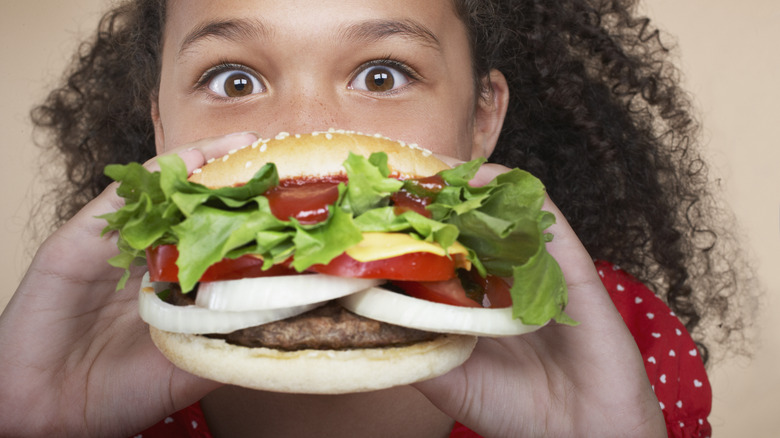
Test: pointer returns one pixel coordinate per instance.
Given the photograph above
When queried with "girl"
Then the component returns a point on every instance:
(576, 92)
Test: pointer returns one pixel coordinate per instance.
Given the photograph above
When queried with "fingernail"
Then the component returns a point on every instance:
(245, 133)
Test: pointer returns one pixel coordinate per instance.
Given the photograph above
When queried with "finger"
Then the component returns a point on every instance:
(194, 155)
(198, 153)
(83, 231)
(484, 175)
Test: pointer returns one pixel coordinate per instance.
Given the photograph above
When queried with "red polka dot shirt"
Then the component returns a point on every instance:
(671, 360)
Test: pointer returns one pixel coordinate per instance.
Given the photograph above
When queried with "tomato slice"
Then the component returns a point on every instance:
(495, 291)
(445, 292)
(416, 266)
(161, 261)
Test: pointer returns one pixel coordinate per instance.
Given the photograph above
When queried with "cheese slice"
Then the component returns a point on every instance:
(378, 246)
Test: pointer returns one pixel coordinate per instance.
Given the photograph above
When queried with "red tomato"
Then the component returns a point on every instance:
(495, 291)
(416, 266)
(161, 261)
(445, 292)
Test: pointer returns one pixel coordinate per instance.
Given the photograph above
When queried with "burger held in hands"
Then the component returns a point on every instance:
(333, 262)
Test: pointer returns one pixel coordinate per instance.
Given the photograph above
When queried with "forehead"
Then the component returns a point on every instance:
(429, 21)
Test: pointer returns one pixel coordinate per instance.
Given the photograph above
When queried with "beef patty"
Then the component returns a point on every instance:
(328, 327)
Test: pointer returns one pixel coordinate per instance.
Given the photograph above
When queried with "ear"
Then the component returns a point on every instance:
(159, 134)
(490, 112)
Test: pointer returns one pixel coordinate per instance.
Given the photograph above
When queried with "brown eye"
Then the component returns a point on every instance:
(235, 83)
(379, 79)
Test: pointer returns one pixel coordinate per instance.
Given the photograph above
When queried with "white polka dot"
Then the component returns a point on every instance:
(655, 335)
(672, 353)
(650, 316)
(168, 420)
(662, 405)
(693, 352)
(194, 424)
(672, 313)
(679, 404)
(620, 288)
(682, 424)
(651, 359)
(637, 300)
(678, 332)
(697, 383)
(601, 273)
(701, 421)
(662, 378)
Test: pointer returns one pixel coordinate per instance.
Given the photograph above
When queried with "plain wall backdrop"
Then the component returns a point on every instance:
(731, 64)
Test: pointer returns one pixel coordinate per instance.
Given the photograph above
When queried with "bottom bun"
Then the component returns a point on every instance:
(313, 371)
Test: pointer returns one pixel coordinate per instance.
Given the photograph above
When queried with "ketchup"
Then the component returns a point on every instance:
(307, 199)
(416, 194)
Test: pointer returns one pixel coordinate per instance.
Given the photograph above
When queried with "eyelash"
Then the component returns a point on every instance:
(401, 66)
(211, 73)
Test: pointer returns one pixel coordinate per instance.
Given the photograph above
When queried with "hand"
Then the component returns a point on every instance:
(76, 359)
(585, 380)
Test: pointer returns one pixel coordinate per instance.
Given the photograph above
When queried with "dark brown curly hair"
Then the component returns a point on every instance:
(596, 112)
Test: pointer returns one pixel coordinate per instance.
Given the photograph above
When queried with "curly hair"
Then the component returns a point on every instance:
(596, 112)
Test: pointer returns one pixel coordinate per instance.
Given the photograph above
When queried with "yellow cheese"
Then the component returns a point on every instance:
(378, 246)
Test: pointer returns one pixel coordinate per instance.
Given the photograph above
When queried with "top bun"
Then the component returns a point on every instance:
(315, 154)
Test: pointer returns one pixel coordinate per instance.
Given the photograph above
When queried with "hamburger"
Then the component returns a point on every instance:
(333, 262)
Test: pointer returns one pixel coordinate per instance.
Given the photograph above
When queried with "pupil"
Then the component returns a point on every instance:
(238, 85)
(380, 80)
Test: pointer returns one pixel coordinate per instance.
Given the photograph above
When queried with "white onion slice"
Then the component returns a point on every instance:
(394, 308)
(197, 320)
(277, 292)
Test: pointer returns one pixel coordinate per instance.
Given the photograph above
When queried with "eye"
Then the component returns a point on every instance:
(234, 82)
(381, 78)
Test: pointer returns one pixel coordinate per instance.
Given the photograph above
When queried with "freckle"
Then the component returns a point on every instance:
(248, 164)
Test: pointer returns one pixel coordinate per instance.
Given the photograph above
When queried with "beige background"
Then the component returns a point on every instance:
(728, 51)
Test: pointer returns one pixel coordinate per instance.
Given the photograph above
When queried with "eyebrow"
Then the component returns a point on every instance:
(231, 30)
(365, 31)
(377, 30)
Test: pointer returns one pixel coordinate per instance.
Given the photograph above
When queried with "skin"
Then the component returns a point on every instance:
(93, 369)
